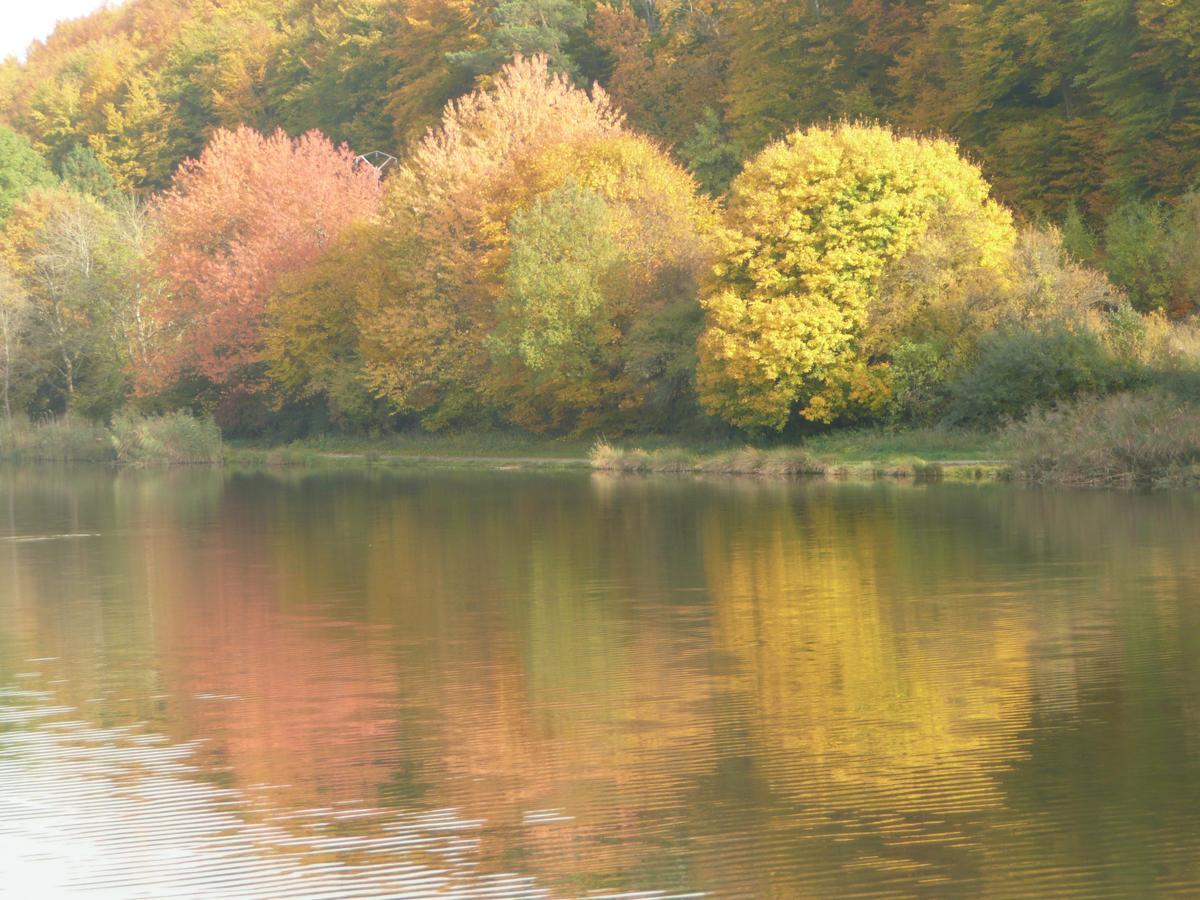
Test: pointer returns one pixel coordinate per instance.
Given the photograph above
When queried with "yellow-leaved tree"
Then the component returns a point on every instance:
(424, 345)
(837, 240)
(312, 337)
(544, 265)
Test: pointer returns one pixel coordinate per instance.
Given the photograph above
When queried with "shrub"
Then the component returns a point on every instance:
(917, 379)
(1017, 371)
(1125, 439)
(174, 439)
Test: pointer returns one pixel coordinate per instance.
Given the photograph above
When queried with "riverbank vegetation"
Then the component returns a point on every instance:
(170, 439)
(715, 226)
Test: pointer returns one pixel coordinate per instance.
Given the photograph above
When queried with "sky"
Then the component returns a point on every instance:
(24, 21)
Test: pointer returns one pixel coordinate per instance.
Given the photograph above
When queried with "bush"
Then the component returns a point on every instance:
(174, 439)
(1125, 439)
(1136, 253)
(1018, 371)
(917, 380)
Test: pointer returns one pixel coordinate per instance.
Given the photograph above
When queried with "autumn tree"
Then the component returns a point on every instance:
(805, 62)
(73, 263)
(14, 311)
(425, 344)
(1139, 59)
(217, 68)
(563, 253)
(248, 211)
(543, 261)
(1007, 80)
(597, 321)
(422, 37)
(668, 75)
(313, 341)
(1150, 248)
(331, 72)
(134, 144)
(816, 223)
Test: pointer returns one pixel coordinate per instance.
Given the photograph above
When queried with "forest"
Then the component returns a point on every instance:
(746, 217)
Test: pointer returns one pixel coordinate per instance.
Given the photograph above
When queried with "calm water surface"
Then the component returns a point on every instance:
(505, 684)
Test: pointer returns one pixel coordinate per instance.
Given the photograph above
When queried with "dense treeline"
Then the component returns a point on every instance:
(1063, 101)
(655, 215)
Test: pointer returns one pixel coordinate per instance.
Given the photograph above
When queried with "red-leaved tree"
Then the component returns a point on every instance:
(250, 210)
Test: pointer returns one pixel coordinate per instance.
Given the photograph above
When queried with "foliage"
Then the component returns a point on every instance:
(14, 311)
(331, 72)
(1064, 102)
(563, 251)
(1183, 248)
(134, 144)
(424, 34)
(312, 337)
(78, 262)
(1047, 285)
(527, 27)
(709, 155)
(667, 71)
(615, 349)
(1017, 371)
(83, 172)
(21, 170)
(248, 211)
(815, 222)
(538, 262)
(424, 345)
(917, 380)
(1136, 253)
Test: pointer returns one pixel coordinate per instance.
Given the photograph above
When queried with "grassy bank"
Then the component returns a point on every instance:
(1133, 439)
(849, 453)
(852, 454)
(174, 439)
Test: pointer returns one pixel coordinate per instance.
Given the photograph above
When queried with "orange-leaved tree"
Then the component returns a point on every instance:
(249, 211)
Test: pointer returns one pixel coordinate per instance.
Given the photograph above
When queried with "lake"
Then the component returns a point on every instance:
(517, 684)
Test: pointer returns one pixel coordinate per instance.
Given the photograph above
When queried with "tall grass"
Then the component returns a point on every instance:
(773, 462)
(1121, 440)
(55, 439)
(865, 453)
(171, 439)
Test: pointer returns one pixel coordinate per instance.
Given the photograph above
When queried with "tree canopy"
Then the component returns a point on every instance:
(249, 210)
(816, 221)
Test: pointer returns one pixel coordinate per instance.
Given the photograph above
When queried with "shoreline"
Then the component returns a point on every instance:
(780, 462)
